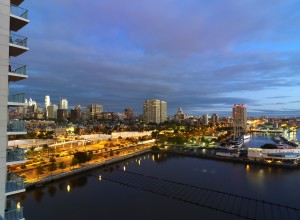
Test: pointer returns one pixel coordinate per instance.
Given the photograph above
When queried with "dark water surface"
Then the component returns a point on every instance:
(87, 197)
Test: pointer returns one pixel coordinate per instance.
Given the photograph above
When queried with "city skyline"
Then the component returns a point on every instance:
(202, 56)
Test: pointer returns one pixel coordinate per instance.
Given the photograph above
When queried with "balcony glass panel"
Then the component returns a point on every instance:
(20, 98)
(18, 40)
(15, 154)
(16, 126)
(14, 211)
(18, 11)
(17, 68)
(14, 182)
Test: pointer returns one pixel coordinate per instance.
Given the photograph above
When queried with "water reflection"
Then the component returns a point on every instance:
(52, 190)
(78, 182)
(62, 186)
(38, 194)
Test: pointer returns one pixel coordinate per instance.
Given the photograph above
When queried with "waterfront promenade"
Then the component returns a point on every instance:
(82, 168)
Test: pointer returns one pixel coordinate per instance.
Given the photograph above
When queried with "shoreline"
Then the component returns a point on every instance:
(90, 167)
(83, 169)
(231, 159)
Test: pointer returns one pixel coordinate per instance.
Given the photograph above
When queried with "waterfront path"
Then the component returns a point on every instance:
(82, 169)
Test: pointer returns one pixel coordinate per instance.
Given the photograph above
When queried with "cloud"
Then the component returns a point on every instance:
(201, 55)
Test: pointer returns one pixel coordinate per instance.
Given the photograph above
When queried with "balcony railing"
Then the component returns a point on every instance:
(18, 40)
(14, 183)
(18, 11)
(15, 154)
(17, 68)
(20, 98)
(14, 211)
(16, 126)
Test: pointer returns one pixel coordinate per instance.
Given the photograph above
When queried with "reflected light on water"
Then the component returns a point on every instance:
(68, 188)
(18, 205)
(139, 162)
(153, 158)
(124, 168)
(100, 177)
(247, 167)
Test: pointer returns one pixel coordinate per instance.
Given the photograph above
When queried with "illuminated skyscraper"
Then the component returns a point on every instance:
(63, 104)
(155, 111)
(239, 115)
(47, 104)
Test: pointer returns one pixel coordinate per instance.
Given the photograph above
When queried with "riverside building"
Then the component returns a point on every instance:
(239, 116)
(155, 111)
(12, 19)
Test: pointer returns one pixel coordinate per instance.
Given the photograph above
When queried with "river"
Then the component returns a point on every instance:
(87, 197)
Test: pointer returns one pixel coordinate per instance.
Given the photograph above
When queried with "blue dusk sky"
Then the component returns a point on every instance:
(201, 55)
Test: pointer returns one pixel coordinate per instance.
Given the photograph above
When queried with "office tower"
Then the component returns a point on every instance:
(239, 115)
(47, 103)
(94, 111)
(128, 112)
(52, 111)
(12, 19)
(215, 118)
(62, 114)
(76, 114)
(63, 104)
(155, 111)
(205, 119)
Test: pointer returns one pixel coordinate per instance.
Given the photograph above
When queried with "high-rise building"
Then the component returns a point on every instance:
(180, 115)
(76, 114)
(239, 116)
(128, 112)
(47, 103)
(155, 111)
(52, 111)
(62, 114)
(205, 119)
(94, 111)
(12, 19)
(215, 118)
(63, 104)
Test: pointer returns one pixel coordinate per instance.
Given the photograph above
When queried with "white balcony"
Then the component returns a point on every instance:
(15, 155)
(16, 100)
(14, 211)
(17, 45)
(18, 17)
(16, 72)
(14, 184)
(15, 127)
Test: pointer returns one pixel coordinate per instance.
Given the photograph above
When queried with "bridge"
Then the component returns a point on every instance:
(237, 205)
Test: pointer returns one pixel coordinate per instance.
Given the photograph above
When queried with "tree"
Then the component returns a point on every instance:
(82, 157)
(40, 170)
(111, 153)
(52, 167)
(74, 162)
(62, 166)
(46, 148)
(52, 160)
